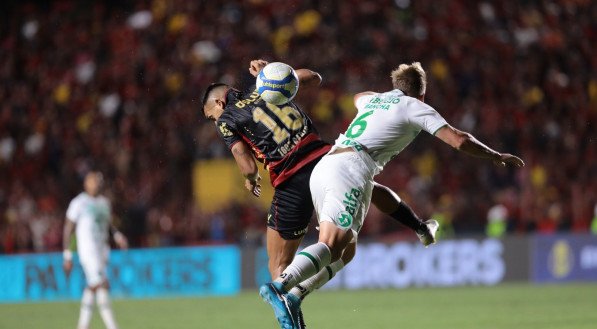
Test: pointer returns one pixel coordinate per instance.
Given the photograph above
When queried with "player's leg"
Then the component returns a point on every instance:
(341, 187)
(86, 312)
(89, 263)
(104, 305)
(388, 202)
(312, 259)
(318, 280)
(280, 251)
(95, 271)
(288, 219)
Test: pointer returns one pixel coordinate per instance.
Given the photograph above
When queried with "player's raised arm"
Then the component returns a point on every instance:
(256, 66)
(247, 166)
(468, 144)
(308, 78)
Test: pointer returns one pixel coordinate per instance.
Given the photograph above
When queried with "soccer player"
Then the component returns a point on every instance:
(384, 125)
(90, 214)
(285, 140)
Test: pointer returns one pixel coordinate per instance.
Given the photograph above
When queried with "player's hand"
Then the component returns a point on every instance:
(506, 158)
(256, 66)
(121, 241)
(254, 186)
(67, 266)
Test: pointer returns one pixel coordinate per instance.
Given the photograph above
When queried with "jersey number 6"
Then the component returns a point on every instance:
(359, 124)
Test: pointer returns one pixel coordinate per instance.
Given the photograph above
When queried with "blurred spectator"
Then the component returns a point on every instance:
(497, 221)
(115, 85)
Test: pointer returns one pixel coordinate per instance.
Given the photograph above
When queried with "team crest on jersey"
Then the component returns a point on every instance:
(224, 129)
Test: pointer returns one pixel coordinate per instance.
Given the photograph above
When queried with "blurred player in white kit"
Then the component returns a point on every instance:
(90, 214)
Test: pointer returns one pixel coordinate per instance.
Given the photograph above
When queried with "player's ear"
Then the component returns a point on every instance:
(220, 102)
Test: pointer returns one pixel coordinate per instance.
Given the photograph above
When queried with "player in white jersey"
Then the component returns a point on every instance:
(342, 181)
(89, 214)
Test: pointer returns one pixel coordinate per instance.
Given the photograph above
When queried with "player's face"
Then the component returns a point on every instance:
(214, 109)
(93, 183)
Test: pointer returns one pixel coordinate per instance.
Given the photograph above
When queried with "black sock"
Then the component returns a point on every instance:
(407, 217)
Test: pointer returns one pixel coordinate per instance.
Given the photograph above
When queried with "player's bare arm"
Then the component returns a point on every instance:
(247, 166)
(67, 264)
(119, 238)
(256, 66)
(468, 144)
(307, 78)
(359, 95)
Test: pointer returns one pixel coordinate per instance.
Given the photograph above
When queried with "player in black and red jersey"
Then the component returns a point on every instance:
(286, 141)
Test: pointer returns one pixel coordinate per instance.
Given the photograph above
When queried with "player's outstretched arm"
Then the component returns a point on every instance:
(247, 166)
(468, 144)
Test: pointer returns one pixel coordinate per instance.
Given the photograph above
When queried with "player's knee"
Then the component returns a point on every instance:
(336, 239)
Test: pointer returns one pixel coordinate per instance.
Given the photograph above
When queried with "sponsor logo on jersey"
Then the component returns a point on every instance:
(288, 146)
(254, 97)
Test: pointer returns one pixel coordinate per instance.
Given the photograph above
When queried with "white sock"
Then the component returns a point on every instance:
(105, 310)
(87, 302)
(305, 264)
(317, 281)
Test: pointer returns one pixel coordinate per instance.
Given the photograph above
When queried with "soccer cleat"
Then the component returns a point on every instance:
(301, 320)
(272, 293)
(293, 304)
(427, 237)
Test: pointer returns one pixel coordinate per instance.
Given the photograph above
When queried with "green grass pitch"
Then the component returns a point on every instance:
(506, 306)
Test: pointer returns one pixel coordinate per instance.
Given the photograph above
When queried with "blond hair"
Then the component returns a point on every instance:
(411, 79)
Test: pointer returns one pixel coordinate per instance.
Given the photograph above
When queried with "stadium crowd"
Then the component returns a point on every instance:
(115, 85)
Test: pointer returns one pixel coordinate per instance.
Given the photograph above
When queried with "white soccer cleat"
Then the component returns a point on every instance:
(428, 237)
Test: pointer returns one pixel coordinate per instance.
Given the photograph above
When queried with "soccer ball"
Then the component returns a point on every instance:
(277, 83)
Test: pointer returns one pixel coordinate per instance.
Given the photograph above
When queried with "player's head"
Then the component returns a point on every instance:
(94, 180)
(410, 79)
(214, 100)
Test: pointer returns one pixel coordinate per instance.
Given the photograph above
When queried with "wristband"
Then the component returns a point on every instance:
(67, 255)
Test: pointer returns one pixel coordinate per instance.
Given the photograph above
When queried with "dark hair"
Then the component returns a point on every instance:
(209, 90)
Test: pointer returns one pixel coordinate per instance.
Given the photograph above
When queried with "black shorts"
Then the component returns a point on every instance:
(292, 207)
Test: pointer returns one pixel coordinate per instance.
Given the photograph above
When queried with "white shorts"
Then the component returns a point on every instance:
(94, 263)
(341, 186)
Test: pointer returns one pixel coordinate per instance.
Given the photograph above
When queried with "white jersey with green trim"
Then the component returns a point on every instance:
(386, 123)
(92, 216)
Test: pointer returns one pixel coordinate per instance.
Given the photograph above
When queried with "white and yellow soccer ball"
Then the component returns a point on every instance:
(277, 83)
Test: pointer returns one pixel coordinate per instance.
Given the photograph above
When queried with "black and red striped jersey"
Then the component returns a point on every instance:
(281, 136)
